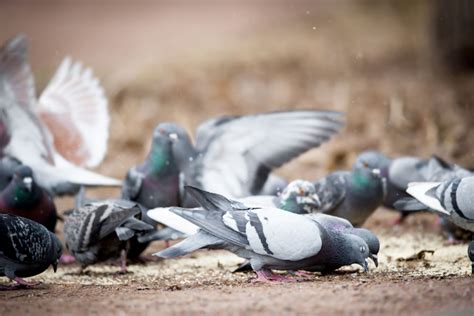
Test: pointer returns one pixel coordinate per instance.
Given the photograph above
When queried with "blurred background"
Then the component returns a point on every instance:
(401, 70)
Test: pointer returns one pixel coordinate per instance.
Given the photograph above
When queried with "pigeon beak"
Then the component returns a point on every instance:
(173, 136)
(28, 182)
(376, 171)
(55, 266)
(375, 259)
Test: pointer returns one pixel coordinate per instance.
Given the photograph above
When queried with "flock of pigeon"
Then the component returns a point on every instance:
(217, 192)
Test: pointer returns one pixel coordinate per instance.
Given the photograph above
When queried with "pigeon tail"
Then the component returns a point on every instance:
(190, 244)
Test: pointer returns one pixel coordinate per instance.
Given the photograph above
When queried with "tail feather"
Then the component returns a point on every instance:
(164, 216)
(190, 244)
(420, 191)
(209, 201)
(409, 204)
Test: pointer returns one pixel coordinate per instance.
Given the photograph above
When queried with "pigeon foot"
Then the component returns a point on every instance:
(269, 276)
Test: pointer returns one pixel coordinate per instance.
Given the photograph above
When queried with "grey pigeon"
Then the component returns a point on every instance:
(234, 155)
(270, 238)
(26, 249)
(99, 231)
(339, 225)
(353, 195)
(45, 133)
(274, 185)
(24, 197)
(398, 172)
(451, 199)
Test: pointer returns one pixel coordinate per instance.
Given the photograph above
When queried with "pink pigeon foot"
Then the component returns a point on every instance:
(22, 283)
(67, 259)
(268, 276)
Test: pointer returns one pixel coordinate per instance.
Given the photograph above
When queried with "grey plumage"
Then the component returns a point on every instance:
(353, 195)
(26, 248)
(451, 199)
(270, 238)
(7, 169)
(399, 172)
(234, 155)
(100, 230)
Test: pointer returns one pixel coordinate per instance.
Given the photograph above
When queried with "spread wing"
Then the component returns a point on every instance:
(238, 153)
(74, 108)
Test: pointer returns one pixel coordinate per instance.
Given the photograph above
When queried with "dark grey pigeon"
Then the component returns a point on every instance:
(234, 155)
(270, 238)
(26, 137)
(353, 195)
(154, 183)
(99, 231)
(26, 249)
(24, 197)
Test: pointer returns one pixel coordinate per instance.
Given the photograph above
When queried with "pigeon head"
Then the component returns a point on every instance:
(354, 250)
(299, 197)
(373, 159)
(181, 146)
(366, 175)
(23, 178)
(371, 240)
(57, 251)
(161, 153)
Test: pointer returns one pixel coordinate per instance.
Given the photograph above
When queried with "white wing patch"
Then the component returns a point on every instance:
(74, 108)
(418, 191)
(164, 216)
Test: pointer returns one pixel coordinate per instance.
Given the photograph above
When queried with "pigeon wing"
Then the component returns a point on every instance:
(74, 108)
(238, 153)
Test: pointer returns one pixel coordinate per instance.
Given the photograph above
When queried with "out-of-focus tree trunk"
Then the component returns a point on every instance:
(453, 34)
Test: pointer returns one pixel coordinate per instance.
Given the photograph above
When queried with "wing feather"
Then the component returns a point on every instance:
(234, 149)
(74, 108)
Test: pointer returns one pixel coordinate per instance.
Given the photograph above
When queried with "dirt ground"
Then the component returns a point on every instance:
(406, 282)
(187, 62)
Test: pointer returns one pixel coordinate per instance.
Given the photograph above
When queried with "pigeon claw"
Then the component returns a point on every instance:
(269, 276)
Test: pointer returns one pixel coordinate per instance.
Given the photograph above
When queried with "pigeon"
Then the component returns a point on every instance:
(153, 183)
(270, 238)
(298, 197)
(470, 253)
(274, 185)
(59, 133)
(234, 155)
(26, 249)
(353, 195)
(24, 197)
(398, 172)
(99, 231)
(452, 199)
